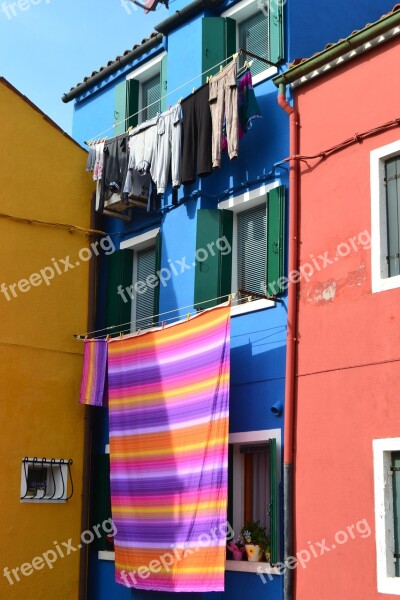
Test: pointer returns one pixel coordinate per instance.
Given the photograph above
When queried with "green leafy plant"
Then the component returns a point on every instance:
(254, 533)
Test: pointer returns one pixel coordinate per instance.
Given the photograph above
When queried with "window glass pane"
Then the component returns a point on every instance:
(151, 93)
(396, 508)
(146, 265)
(251, 249)
(392, 181)
(254, 37)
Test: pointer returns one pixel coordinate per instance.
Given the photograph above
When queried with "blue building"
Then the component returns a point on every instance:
(222, 234)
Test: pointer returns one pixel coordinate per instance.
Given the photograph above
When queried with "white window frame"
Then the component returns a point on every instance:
(384, 515)
(238, 493)
(238, 204)
(106, 554)
(60, 472)
(137, 243)
(379, 251)
(143, 74)
(239, 13)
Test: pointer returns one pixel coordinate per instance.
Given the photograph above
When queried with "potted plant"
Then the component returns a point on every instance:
(237, 548)
(255, 537)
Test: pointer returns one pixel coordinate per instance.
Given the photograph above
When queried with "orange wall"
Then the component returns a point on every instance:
(40, 362)
(348, 352)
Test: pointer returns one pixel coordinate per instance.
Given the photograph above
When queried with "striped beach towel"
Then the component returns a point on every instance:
(168, 401)
(93, 386)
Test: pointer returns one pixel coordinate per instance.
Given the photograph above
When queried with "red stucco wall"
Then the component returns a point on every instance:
(349, 339)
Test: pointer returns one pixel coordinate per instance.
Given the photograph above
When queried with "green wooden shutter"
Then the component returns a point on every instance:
(276, 31)
(274, 501)
(164, 81)
(120, 108)
(132, 102)
(157, 269)
(213, 275)
(396, 508)
(119, 272)
(101, 498)
(276, 201)
(218, 42)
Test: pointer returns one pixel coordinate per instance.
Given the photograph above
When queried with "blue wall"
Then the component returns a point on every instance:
(257, 339)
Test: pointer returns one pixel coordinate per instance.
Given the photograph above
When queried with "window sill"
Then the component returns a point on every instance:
(249, 307)
(384, 284)
(245, 566)
(106, 555)
(267, 74)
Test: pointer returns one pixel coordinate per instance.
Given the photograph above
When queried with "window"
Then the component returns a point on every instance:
(101, 498)
(45, 480)
(387, 512)
(253, 486)
(241, 246)
(151, 94)
(385, 217)
(258, 28)
(142, 87)
(142, 290)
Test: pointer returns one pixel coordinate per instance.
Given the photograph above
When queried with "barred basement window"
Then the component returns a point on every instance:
(46, 480)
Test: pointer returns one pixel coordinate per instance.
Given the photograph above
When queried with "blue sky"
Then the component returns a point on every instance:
(48, 46)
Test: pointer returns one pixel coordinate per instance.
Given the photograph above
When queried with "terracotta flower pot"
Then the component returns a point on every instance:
(254, 552)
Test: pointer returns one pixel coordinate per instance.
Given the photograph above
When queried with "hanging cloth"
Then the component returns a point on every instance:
(93, 387)
(168, 410)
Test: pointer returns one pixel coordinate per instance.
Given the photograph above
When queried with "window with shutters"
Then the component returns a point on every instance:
(251, 249)
(386, 453)
(253, 483)
(385, 217)
(258, 28)
(144, 289)
(151, 94)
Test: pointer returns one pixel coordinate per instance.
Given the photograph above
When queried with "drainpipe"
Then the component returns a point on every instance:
(291, 342)
(87, 444)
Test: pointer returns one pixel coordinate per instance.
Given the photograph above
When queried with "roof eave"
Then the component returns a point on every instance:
(336, 51)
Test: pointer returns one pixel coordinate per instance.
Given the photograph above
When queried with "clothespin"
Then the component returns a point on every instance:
(220, 68)
(86, 337)
(249, 298)
(107, 338)
(188, 316)
(234, 57)
(120, 335)
(193, 90)
(163, 325)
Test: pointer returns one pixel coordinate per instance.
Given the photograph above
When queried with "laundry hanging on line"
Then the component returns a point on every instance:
(94, 376)
(179, 144)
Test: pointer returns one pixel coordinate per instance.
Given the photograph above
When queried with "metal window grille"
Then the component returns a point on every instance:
(146, 265)
(252, 249)
(151, 92)
(392, 183)
(254, 37)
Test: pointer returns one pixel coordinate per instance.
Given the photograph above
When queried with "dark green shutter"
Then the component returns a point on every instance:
(396, 508)
(274, 497)
(120, 108)
(132, 102)
(276, 31)
(392, 183)
(218, 42)
(276, 201)
(119, 272)
(157, 269)
(101, 498)
(213, 275)
(164, 81)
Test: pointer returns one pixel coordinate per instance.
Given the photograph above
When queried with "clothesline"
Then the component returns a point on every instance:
(240, 51)
(232, 296)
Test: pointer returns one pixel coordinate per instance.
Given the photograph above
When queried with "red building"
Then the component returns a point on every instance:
(347, 409)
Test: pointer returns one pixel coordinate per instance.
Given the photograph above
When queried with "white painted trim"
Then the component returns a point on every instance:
(248, 307)
(148, 70)
(241, 10)
(379, 268)
(251, 567)
(249, 199)
(266, 74)
(107, 449)
(106, 555)
(384, 520)
(139, 242)
(353, 53)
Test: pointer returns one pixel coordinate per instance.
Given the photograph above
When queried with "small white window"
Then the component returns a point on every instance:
(387, 513)
(253, 34)
(385, 217)
(45, 480)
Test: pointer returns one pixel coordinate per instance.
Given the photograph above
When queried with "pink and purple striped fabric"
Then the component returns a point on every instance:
(169, 402)
(93, 386)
